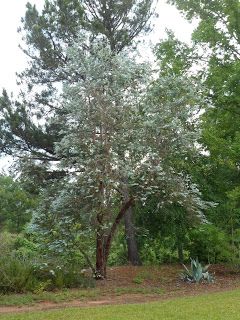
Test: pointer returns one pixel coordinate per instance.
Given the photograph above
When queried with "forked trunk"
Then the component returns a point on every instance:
(104, 242)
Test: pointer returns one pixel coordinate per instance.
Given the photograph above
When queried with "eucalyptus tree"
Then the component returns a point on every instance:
(98, 121)
(26, 128)
(121, 131)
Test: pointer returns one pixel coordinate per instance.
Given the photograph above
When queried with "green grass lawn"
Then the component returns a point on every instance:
(221, 306)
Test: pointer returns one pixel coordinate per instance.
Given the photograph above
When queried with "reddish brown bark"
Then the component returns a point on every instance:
(103, 243)
(100, 272)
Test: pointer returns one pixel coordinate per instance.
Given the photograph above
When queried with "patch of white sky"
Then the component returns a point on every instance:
(13, 60)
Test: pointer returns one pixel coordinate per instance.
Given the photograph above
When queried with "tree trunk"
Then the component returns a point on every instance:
(133, 256)
(100, 272)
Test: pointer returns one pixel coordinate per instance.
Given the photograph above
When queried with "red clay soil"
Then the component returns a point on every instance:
(129, 284)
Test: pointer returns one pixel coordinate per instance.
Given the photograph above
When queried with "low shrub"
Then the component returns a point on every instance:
(7, 242)
(17, 275)
(21, 275)
(63, 276)
(22, 269)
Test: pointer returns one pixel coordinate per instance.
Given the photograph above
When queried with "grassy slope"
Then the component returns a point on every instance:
(219, 306)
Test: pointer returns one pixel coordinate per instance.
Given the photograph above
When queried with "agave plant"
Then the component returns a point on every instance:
(197, 272)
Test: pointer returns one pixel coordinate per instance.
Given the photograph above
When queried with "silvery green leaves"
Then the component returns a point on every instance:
(169, 132)
(61, 227)
(123, 135)
(118, 122)
(171, 109)
(197, 273)
(101, 108)
(99, 119)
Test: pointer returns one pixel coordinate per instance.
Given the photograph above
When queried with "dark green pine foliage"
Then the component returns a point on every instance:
(20, 134)
(120, 21)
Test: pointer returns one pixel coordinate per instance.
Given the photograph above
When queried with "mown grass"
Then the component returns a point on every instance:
(219, 306)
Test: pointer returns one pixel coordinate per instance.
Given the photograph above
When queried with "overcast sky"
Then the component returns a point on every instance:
(12, 60)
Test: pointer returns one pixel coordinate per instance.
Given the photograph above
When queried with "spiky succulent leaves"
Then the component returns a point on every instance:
(196, 273)
(187, 274)
(206, 267)
(196, 270)
(208, 277)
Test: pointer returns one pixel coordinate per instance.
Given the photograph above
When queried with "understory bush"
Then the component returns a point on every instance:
(23, 270)
(209, 244)
(118, 252)
(63, 276)
(17, 275)
(22, 275)
(157, 251)
(16, 272)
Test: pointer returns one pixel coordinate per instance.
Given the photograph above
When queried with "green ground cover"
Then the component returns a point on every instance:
(220, 306)
(57, 297)
(66, 295)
